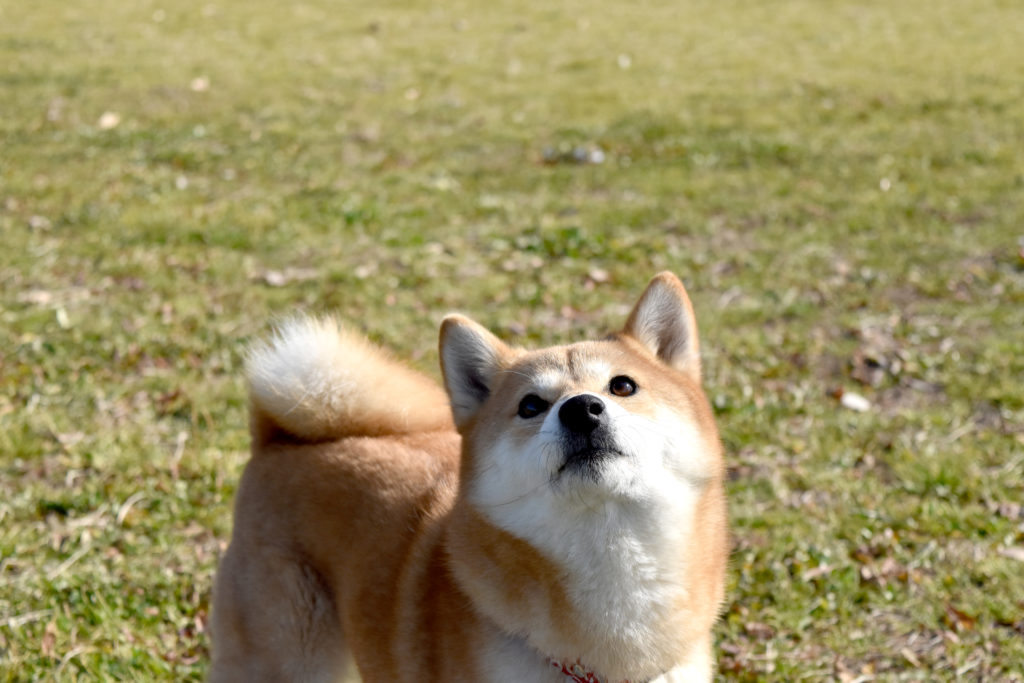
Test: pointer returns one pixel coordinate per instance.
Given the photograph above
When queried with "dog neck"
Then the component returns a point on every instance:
(607, 599)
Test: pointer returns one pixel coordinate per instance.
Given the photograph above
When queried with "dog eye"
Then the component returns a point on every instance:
(532, 405)
(622, 386)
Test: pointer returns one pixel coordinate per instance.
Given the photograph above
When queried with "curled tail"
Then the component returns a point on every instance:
(314, 380)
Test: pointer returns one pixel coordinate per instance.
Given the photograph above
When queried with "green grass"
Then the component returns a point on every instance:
(839, 184)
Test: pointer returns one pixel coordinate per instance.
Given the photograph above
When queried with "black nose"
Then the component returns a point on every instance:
(582, 414)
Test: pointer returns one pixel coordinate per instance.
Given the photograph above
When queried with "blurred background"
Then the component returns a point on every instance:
(839, 184)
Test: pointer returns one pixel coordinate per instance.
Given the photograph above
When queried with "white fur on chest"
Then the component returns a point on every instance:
(620, 568)
(619, 539)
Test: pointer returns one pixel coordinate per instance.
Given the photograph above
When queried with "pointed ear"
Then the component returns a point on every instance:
(663, 322)
(470, 360)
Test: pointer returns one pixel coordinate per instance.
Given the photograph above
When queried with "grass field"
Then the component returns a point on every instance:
(840, 185)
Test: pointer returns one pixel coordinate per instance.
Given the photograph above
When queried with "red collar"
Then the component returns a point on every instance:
(577, 673)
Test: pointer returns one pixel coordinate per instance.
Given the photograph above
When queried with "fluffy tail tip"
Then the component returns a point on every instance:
(298, 377)
(316, 380)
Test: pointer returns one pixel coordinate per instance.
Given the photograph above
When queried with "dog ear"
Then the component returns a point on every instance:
(663, 321)
(470, 359)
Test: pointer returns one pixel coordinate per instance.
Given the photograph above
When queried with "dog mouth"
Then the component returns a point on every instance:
(586, 461)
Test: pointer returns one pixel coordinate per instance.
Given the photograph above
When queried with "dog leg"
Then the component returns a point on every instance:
(273, 620)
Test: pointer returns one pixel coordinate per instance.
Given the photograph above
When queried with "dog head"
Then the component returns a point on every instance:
(577, 426)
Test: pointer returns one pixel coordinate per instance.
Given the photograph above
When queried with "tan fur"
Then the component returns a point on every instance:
(357, 538)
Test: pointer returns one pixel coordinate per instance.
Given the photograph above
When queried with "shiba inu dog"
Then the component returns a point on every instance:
(555, 515)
